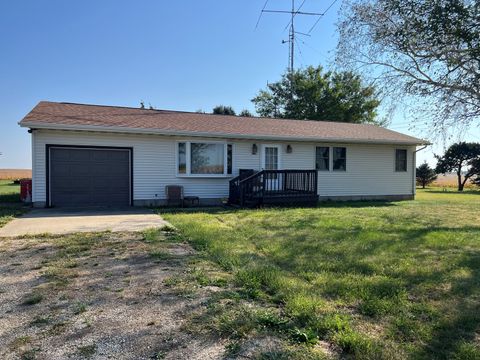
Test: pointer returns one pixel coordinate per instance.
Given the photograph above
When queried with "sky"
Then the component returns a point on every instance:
(179, 55)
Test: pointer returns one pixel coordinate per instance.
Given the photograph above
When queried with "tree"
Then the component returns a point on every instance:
(476, 170)
(425, 175)
(312, 94)
(245, 113)
(223, 110)
(461, 158)
(427, 51)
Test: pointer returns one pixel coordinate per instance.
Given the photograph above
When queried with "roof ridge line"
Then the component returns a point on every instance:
(210, 114)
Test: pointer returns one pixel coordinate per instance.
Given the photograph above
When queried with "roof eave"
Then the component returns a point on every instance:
(118, 129)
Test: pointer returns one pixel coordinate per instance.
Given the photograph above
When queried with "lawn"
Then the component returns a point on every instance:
(363, 280)
(10, 205)
(369, 280)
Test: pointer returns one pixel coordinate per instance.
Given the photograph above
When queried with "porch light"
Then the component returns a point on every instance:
(254, 149)
(289, 149)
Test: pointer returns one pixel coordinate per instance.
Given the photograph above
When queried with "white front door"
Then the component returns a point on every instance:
(271, 161)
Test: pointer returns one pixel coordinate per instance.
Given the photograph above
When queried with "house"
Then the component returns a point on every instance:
(111, 155)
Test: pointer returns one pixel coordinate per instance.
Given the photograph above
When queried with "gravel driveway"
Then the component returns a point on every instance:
(102, 296)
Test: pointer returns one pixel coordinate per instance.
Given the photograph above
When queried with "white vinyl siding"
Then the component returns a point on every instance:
(370, 168)
(370, 171)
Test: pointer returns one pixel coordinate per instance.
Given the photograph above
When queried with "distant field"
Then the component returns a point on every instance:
(450, 180)
(9, 174)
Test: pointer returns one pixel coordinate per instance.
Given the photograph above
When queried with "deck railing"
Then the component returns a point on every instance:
(274, 186)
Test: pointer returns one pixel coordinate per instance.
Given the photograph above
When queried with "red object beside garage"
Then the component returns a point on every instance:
(26, 190)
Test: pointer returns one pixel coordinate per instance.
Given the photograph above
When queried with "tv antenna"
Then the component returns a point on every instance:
(291, 33)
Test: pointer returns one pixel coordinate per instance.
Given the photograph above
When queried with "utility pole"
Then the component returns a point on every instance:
(292, 32)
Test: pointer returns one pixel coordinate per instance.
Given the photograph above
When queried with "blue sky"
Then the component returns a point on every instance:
(182, 55)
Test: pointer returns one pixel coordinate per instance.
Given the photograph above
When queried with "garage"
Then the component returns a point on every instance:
(89, 176)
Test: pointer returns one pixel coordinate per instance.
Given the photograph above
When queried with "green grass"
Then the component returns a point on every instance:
(87, 351)
(10, 205)
(33, 298)
(375, 279)
(9, 192)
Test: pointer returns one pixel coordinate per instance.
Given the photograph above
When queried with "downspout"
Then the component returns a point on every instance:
(414, 170)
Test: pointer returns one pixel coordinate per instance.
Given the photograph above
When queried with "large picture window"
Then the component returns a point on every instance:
(339, 159)
(322, 158)
(401, 160)
(204, 158)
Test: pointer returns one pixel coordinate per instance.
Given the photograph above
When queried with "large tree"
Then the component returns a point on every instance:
(461, 158)
(476, 170)
(425, 175)
(426, 51)
(312, 94)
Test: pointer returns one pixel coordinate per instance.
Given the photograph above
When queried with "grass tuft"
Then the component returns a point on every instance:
(87, 351)
(32, 299)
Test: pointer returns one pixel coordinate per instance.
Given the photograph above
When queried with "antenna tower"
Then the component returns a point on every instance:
(292, 33)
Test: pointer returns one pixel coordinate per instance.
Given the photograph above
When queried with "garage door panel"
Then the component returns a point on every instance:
(86, 177)
(79, 155)
(67, 184)
(107, 170)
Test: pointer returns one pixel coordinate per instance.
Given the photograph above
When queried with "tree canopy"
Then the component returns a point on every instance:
(223, 110)
(312, 94)
(428, 49)
(246, 113)
(461, 158)
(425, 175)
(476, 171)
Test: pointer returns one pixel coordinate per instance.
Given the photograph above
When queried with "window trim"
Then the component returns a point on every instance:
(395, 160)
(333, 160)
(188, 155)
(329, 158)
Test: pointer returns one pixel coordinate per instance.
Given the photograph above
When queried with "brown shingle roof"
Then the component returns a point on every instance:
(122, 119)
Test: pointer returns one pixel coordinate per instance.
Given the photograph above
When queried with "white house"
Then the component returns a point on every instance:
(105, 155)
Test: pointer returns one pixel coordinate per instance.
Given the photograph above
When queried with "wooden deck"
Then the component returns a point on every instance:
(274, 187)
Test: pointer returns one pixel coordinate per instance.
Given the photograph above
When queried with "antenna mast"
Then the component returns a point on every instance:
(292, 32)
(291, 38)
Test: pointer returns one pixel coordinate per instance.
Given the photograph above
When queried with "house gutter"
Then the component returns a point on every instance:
(118, 129)
(414, 170)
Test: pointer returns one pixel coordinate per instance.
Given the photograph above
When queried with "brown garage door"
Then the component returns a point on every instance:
(89, 177)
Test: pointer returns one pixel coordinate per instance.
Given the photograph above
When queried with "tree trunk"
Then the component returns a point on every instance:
(459, 177)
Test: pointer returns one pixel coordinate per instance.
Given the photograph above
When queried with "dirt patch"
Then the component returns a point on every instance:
(98, 296)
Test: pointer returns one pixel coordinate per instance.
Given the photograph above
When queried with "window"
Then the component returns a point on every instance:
(207, 158)
(229, 158)
(339, 159)
(322, 158)
(271, 158)
(203, 158)
(182, 158)
(400, 160)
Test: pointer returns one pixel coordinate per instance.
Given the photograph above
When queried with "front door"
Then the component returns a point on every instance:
(271, 161)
